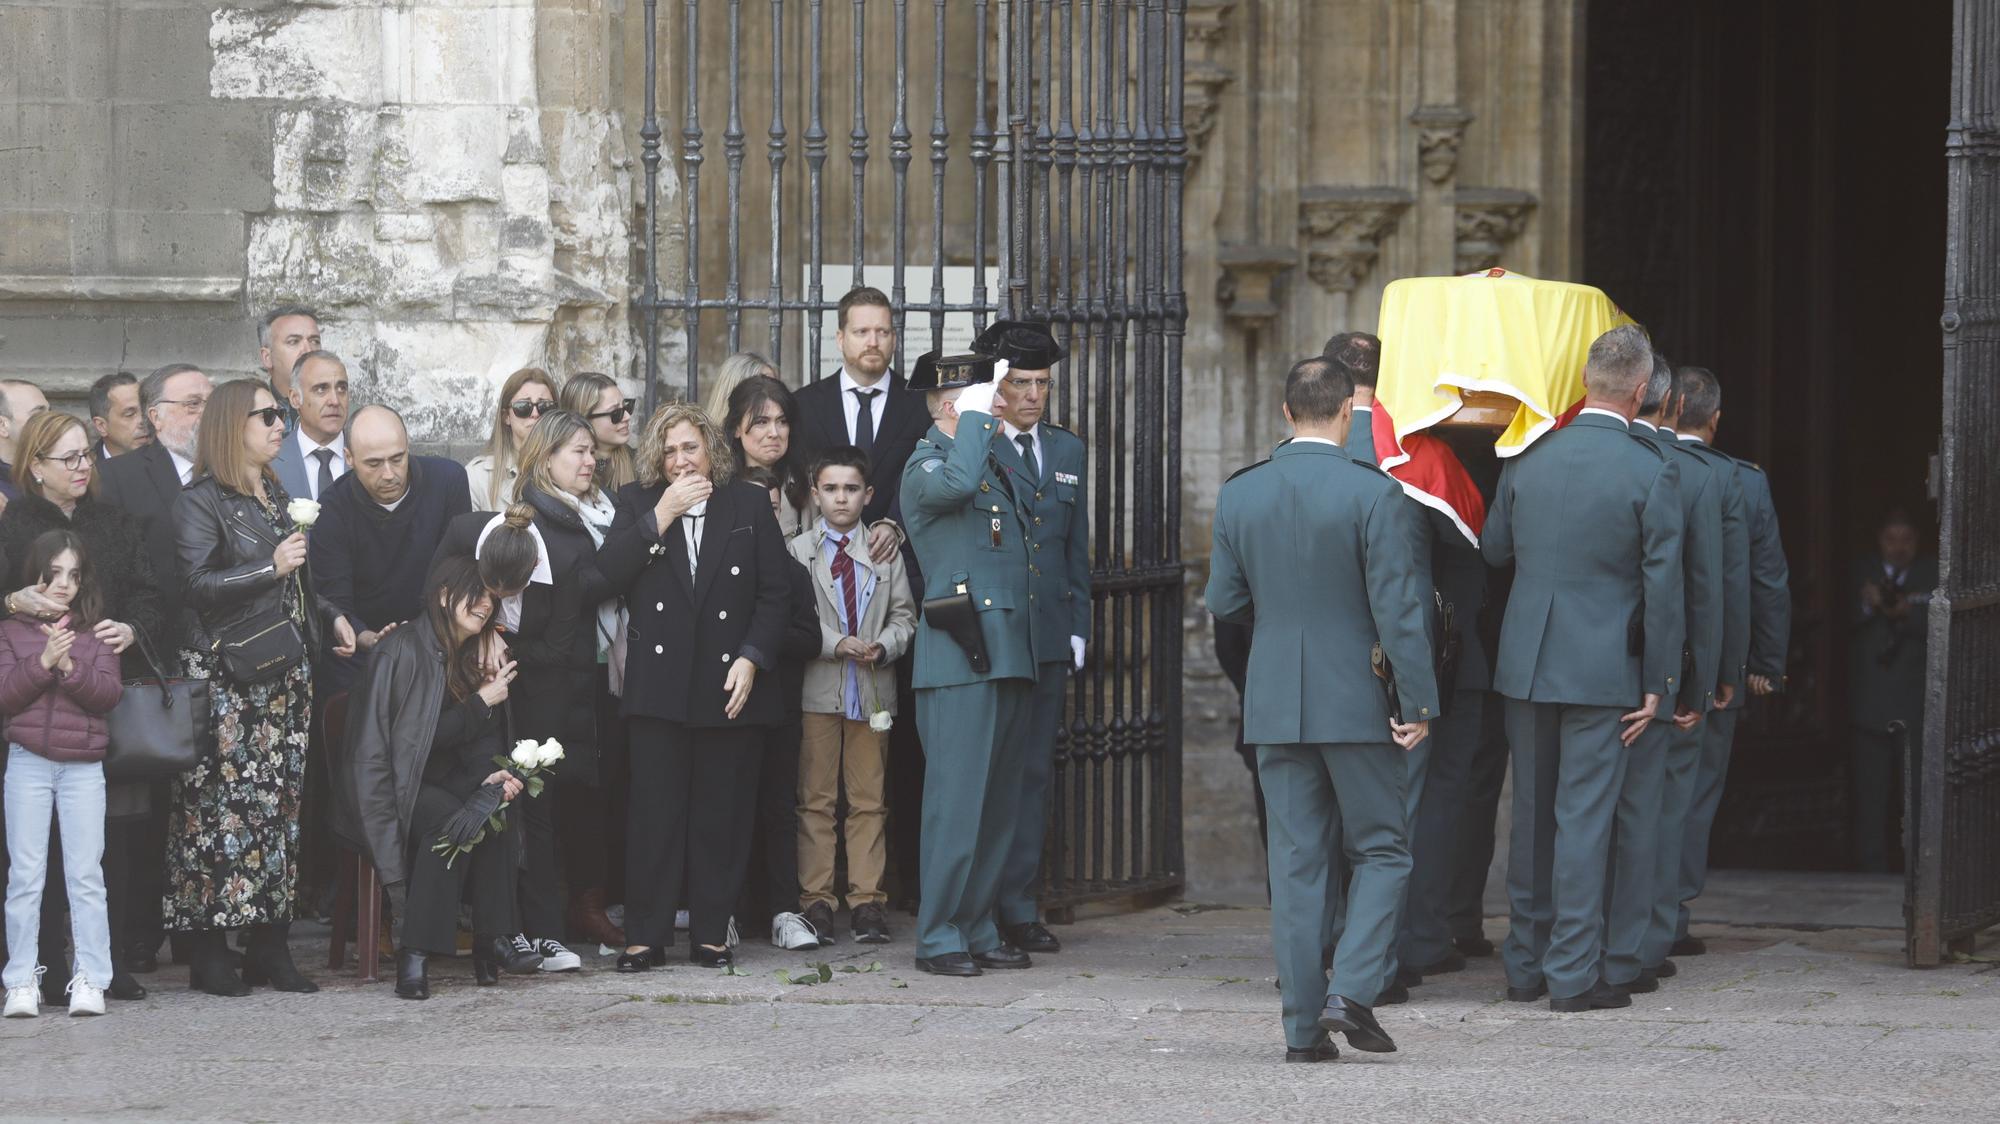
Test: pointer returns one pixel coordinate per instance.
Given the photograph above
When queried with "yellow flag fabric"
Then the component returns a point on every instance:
(1495, 331)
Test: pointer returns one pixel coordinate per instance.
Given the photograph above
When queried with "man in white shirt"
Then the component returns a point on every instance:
(313, 458)
(285, 333)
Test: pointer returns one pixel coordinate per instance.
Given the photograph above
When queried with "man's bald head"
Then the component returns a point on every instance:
(378, 452)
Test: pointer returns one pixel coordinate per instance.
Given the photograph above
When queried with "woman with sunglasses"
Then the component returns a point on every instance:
(526, 395)
(233, 833)
(599, 400)
(58, 483)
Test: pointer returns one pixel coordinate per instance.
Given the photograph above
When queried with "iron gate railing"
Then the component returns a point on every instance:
(1074, 158)
(1954, 872)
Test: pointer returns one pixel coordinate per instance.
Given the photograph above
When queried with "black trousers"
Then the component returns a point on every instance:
(906, 788)
(774, 849)
(430, 917)
(693, 797)
(1465, 910)
(540, 892)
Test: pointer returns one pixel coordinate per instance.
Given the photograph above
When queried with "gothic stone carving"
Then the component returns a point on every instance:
(1440, 128)
(1488, 220)
(1203, 78)
(1344, 227)
(1247, 289)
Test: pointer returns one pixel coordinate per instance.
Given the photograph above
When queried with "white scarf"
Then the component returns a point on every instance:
(597, 511)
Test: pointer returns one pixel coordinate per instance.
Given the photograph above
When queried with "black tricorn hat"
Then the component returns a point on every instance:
(949, 372)
(1027, 344)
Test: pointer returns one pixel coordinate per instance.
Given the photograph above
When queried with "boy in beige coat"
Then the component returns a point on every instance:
(866, 618)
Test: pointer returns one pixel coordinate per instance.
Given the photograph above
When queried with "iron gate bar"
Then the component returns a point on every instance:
(816, 162)
(940, 156)
(776, 149)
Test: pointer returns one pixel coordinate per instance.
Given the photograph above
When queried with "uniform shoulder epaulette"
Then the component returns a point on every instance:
(1246, 468)
(1751, 465)
(1046, 424)
(1372, 467)
(1650, 445)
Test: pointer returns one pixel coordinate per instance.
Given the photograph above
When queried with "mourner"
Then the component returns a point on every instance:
(491, 476)
(283, 334)
(116, 416)
(315, 456)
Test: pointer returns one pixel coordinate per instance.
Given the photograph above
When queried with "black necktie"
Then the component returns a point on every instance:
(864, 419)
(325, 470)
(1027, 443)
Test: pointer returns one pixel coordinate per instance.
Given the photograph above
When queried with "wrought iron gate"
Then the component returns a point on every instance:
(1072, 157)
(1954, 872)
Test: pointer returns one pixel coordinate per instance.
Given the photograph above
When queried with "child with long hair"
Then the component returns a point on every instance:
(58, 681)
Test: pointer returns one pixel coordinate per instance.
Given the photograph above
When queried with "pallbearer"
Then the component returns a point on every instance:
(1319, 553)
(1044, 466)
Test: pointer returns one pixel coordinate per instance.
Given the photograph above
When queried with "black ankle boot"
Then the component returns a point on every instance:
(268, 961)
(208, 964)
(411, 980)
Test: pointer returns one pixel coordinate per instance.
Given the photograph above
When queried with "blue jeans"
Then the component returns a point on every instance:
(37, 786)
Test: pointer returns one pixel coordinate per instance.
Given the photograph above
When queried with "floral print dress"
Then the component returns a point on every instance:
(233, 828)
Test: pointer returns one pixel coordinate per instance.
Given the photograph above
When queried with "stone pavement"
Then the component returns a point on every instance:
(1164, 1015)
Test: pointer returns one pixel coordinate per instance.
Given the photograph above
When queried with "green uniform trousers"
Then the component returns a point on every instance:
(1676, 802)
(973, 736)
(1319, 797)
(1718, 734)
(1635, 843)
(1568, 766)
(1021, 871)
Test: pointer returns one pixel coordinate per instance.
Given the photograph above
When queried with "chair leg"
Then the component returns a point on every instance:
(368, 908)
(343, 916)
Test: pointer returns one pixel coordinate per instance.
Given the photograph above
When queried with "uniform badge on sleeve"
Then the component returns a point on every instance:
(931, 465)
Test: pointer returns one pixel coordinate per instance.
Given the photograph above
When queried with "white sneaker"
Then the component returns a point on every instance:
(793, 933)
(557, 958)
(24, 1002)
(85, 998)
(680, 919)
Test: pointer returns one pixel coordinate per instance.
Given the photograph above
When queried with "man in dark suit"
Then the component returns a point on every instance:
(1589, 653)
(1320, 554)
(315, 456)
(116, 416)
(1888, 597)
(868, 405)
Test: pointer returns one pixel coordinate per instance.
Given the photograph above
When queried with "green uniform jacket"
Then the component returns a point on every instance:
(1770, 580)
(1058, 538)
(1735, 567)
(1591, 517)
(1701, 566)
(960, 514)
(1885, 657)
(1321, 556)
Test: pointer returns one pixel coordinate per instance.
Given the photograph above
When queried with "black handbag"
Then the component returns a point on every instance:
(160, 727)
(261, 647)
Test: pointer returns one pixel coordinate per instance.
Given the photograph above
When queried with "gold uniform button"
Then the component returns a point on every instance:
(1035, 571)
(985, 487)
(1424, 711)
(1038, 495)
(1038, 546)
(996, 507)
(1038, 520)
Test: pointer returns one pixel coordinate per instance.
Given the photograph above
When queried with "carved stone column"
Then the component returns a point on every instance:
(1203, 76)
(1344, 228)
(1489, 219)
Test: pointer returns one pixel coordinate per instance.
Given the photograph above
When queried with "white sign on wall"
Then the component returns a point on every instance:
(835, 280)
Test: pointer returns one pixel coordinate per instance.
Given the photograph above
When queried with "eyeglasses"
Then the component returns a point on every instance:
(530, 408)
(73, 461)
(192, 405)
(272, 416)
(619, 413)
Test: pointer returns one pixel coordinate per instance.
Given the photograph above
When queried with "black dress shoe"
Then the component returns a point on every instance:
(711, 957)
(644, 960)
(1473, 946)
(1526, 994)
(949, 964)
(1645, 983)
(1347, 1017)
(1002, 956)
(1322, 1051)
(1408, 976)
(1665, 969)
(1603, 997)
(123, 986)
(1393, 995)
(1453, 961)
(142, 958)
(1688, 946)
(1030, 936)
(412, 982)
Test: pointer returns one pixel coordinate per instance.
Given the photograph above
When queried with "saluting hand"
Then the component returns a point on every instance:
(1639, 719)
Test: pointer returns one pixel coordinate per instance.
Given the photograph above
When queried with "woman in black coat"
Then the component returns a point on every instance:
(57, 480)
(703, 566)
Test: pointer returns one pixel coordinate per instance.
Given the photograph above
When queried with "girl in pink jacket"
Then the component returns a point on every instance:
(57, 683)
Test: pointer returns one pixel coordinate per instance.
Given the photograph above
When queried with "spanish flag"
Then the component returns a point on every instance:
(1495, 332)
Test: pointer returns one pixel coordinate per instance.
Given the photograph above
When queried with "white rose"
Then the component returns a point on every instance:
(304, 513)
(881, 720)
(551, 752)
(527, 753)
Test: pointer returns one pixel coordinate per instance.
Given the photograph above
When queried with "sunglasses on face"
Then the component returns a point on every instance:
(619, 413)
(272, 416)
(530, 408)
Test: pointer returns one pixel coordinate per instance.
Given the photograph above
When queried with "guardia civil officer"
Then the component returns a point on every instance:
(975, 669)
(1644, 820)
(1770, 608)
(1044, 466)
(1589, 649)
(1320, 554)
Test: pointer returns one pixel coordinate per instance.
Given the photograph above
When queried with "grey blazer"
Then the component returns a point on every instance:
(889, 620)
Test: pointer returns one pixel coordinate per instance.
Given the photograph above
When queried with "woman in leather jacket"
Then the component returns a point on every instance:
(423, 729)
(233, 832)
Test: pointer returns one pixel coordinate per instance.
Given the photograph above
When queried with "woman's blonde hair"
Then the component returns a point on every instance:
(500, 446)
(653, 443)
(555, 430)
(736, 368)
(218, 447)
(37, 438)
(579, 396)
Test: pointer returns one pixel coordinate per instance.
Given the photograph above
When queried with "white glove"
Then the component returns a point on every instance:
(977, 397)
(1076, 651)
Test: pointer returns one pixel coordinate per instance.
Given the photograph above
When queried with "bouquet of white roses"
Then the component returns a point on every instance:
(482, 815)
(530, 760)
